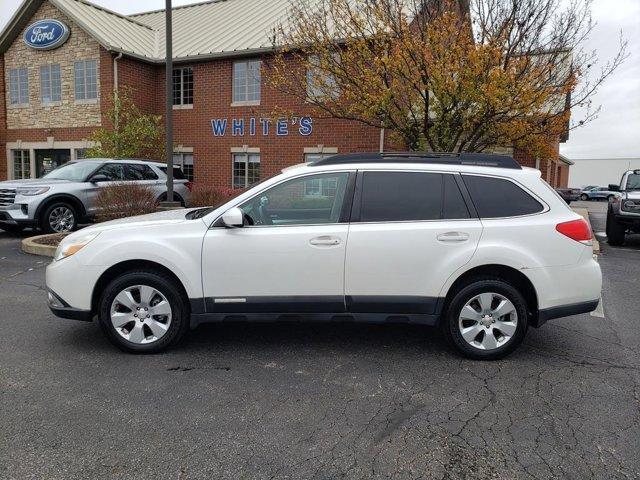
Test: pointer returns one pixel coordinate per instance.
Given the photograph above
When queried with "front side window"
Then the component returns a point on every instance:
(318, 186)
(113, 171)
(50, 83)
(288, 203)
(21, 164)
(498, 197)
(86, 80)
(183, 86)
(19, 86)
(246, 81)
(246, 169)
(185, 162)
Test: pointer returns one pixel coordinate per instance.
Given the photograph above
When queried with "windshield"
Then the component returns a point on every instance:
(74, 172)
(633, 182)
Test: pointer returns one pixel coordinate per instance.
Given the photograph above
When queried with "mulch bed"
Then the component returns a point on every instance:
(52, 240)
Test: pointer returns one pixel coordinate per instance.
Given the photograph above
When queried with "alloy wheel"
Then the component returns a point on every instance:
(61, 219)
(141, 314)
(488, 321)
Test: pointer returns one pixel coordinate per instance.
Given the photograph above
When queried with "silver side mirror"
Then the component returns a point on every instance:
(233, 218)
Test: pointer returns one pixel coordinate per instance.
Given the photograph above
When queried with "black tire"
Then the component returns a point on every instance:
(12, 228)
(615, 231)
(46, 219)
(166, 286)
(584, 197)
(449, 324)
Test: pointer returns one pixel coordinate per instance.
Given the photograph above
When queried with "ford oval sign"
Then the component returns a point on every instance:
(46, 34)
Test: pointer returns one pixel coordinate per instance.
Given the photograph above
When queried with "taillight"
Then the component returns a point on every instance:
(189, 185)
(578, 230)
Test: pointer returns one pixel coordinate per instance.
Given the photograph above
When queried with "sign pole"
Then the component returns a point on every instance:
(169, 104)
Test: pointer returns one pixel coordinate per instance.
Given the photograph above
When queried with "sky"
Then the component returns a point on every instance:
(616, 131)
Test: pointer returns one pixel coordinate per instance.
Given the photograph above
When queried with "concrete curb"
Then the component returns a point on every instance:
(585, 213)
(30, 246)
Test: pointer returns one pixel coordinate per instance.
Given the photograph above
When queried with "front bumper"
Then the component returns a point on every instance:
(62, 309)
(16, 214)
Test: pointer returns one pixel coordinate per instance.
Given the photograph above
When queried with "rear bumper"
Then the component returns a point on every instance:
(566, 311)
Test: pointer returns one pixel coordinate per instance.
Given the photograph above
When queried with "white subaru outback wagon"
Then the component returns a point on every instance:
(472, 243)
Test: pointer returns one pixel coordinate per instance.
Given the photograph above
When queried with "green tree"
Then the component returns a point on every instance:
(129, 133)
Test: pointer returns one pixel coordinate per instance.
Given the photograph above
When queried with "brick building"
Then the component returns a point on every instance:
(62, 59)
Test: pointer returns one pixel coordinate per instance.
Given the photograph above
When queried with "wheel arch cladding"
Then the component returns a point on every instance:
(62, 197)
(132, 266)
(500, 272)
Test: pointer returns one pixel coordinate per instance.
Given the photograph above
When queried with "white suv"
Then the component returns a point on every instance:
(472, 243)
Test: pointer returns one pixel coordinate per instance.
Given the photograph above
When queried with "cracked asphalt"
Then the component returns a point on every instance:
(305, 401)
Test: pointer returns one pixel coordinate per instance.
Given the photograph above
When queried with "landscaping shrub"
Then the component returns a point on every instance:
(124, 200)
(204, 196)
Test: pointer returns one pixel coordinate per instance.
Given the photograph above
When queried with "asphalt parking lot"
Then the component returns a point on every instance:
(319, 401)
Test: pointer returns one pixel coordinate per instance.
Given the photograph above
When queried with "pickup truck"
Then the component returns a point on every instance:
(623, 214)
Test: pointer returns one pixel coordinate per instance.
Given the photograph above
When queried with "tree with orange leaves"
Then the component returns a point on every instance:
(443, 75)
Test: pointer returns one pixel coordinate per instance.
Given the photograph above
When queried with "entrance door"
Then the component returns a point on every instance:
(289, 256)
(47, 160)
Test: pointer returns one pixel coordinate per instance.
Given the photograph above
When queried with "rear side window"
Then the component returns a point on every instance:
(177, 173)
(140, 172)
(410, 196)
(498, 197)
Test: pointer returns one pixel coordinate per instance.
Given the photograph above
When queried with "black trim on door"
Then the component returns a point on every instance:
(466, 196)
(397, 304)
(347, 201)
(276, 304)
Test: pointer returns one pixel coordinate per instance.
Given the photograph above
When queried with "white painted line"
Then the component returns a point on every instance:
(599, 311)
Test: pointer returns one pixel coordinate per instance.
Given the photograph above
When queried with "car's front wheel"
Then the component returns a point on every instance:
(143, 312)
(486, 319)
(584, 197)
(59, 217)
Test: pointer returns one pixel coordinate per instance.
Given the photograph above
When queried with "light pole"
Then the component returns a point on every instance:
(169, 104)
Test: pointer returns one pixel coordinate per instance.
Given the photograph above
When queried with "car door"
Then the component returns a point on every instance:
(114, 172)
(142, 174)
(289, 257)
(410, 230)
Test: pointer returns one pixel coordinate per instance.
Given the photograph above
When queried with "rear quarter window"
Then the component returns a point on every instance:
(177, 173)
(498, 197)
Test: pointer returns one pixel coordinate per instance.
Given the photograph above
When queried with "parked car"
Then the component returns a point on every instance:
(597, 193)
(65, 197)
(473, 243)
(569, 194)
(623, 214)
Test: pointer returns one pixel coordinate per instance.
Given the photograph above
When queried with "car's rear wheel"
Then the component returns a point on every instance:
(486, 319)
(615, 231)
(59, 217)
(143, 312)
(584, 197)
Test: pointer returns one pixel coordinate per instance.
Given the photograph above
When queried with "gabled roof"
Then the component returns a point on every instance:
(215, 28)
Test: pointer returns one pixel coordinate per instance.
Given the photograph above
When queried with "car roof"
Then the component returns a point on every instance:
(431, 158)
(126, 160)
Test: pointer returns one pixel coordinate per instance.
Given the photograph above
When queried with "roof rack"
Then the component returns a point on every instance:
(478, 159)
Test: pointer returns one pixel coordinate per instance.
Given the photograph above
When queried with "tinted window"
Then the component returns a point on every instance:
(177, 173)
(454, 205)
(401, 196)
(140, 172)
(113, 171)
(497, 197)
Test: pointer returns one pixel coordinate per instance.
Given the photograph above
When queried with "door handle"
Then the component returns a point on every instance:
(325, 241)
(453, 237)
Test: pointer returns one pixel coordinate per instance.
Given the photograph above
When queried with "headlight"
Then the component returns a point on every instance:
(71, 246)
(31, 192)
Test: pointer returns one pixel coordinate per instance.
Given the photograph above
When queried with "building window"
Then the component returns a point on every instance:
(185, 162)
(86, 80)
(320, 84)
(50, 83)
(81, 153)
(246, 169)
(321, 186)
(21, 164)
(19, 86)
(183, 86)
(246, 81)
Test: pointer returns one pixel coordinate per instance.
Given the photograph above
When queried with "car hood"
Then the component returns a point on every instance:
(32, 182)
(159, 218)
